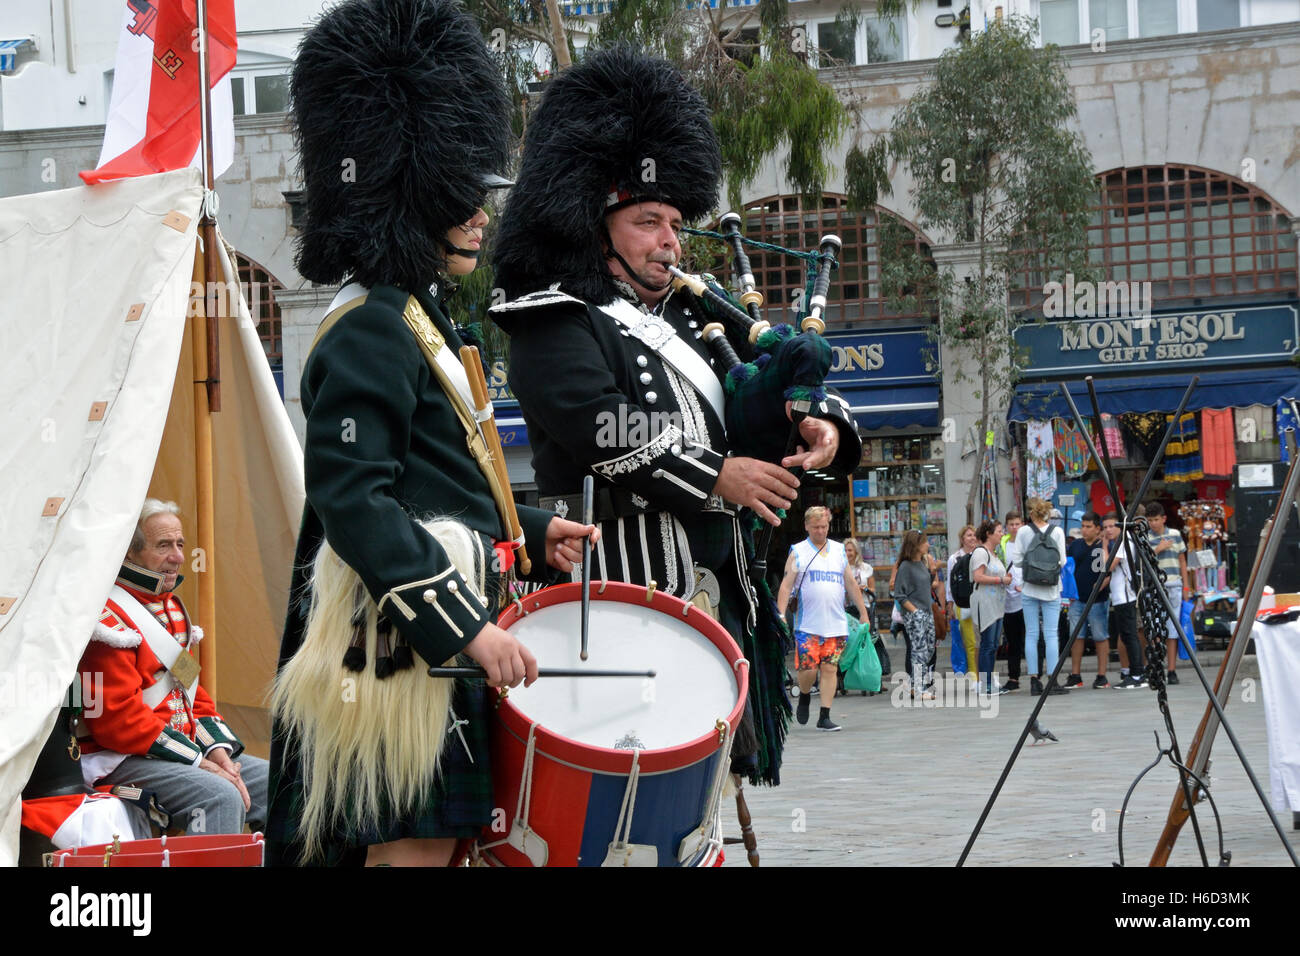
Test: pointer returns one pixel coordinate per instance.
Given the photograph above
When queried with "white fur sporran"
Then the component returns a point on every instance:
(367, 747)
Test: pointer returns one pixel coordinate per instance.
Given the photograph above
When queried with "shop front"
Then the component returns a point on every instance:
(888, 379)
(1235, 434)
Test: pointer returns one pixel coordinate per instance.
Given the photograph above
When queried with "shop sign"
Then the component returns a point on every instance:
(498, 388)
(881, 358)
(1205, 337)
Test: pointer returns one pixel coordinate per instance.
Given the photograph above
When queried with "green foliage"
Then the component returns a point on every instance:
(995, 165)
(778, 104)
(765, 97)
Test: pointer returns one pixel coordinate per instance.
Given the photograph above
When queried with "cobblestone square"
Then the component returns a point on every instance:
(904, 786)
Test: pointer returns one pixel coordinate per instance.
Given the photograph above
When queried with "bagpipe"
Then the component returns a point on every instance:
(783, 364)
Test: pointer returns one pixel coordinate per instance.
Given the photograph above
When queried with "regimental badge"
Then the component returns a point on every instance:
(653, 331)
(562, 508)
(185, 669)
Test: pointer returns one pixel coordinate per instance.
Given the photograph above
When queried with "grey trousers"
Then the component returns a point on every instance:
(198, 799)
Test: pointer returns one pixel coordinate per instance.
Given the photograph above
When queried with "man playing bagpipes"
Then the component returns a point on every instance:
(401, 119)
(612, 373)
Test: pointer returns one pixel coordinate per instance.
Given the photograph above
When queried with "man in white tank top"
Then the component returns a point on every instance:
(817, 570)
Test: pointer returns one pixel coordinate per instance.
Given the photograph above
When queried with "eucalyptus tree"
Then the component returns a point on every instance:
(997, 168)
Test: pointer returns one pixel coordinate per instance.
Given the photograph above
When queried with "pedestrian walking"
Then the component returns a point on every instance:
(818, 572)
(913, 595)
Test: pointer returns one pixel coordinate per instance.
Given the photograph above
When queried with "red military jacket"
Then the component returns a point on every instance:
(119, 672)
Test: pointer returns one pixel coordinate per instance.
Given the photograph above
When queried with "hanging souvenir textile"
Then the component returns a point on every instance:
(1114, 440)
(1218, 441)
(1102, 502)
(1183, 453)
(1144, 429)
(1286, 422)
(1255, 423)
(1071, 448)
(1040, 460)
(1071, 499)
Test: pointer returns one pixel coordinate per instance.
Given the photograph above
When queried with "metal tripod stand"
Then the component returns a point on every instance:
(1146, 578)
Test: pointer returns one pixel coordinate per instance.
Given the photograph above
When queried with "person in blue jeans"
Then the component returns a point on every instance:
(1089, 554)
(1042, 602)
(988, 600)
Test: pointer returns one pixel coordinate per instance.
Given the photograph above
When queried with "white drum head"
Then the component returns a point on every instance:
(693, 689)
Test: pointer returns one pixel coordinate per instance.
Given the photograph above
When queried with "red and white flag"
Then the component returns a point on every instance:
(154, 119)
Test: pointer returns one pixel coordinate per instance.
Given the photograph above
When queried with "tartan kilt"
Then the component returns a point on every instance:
(459, 804)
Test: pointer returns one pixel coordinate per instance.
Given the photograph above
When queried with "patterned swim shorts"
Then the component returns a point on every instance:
(813, 650)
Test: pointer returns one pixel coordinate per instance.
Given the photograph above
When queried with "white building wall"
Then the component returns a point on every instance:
(1211, 100)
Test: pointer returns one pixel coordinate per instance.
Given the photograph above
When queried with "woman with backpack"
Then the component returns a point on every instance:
(1039, 551)
(988, 599)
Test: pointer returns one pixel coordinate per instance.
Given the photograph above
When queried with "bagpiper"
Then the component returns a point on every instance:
(610, 370)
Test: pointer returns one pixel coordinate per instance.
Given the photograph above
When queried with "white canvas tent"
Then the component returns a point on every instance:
(95, 378)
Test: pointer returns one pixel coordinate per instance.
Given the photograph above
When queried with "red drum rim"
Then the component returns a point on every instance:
(606, 759)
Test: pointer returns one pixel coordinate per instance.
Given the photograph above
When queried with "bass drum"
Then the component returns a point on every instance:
(615, 771)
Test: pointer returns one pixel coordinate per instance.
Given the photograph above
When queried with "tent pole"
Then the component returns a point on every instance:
(207, 372)
(204, 505)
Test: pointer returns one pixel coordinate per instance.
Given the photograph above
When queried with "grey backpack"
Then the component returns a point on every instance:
(1042, 561)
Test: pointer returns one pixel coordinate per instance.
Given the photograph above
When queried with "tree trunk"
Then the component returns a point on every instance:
(559, 44)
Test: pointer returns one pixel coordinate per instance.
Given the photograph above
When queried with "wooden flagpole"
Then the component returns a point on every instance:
(207, 374)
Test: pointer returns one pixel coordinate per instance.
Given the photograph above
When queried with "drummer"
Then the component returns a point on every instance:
(608, 364)
(425, 128)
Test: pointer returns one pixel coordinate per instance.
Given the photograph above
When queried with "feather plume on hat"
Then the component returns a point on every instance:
(400, 115)
(618, 123)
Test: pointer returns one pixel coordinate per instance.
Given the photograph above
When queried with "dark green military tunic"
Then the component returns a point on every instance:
(385, 450)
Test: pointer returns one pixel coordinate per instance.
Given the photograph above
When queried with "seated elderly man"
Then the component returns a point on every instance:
(156, 727)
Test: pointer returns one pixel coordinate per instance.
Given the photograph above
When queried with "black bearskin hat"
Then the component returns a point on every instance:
(400, 113)
(619, 121)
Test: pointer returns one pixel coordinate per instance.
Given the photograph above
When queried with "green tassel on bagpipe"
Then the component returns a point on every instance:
(767, 676)
(766, 650)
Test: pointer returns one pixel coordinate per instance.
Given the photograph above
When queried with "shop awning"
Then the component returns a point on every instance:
(9, 50)
(895, 406)
(1158, 393)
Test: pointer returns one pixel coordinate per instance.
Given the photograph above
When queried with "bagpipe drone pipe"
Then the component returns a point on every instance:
(782, 364)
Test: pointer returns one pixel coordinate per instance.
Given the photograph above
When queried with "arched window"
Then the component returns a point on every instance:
(259, 288)
(855, 298)
(1192, 233)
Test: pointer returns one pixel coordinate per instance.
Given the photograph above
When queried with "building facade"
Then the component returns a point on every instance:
(1190, 110)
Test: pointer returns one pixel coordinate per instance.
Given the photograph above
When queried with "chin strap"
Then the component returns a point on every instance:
(640, 279)
(458, 251)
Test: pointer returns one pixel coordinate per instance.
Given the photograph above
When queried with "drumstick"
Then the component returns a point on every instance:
(588, 493)
(544, 672)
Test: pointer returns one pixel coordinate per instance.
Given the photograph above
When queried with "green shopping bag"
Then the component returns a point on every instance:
(859, 663)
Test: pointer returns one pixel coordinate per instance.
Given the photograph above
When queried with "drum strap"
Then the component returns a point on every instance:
(696, 841)
(621, 852)
(521, 836)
